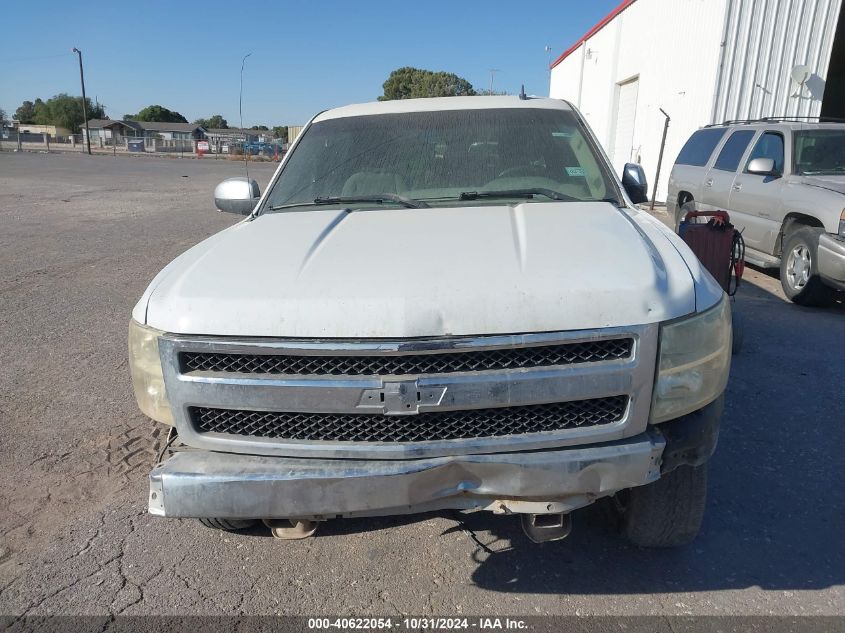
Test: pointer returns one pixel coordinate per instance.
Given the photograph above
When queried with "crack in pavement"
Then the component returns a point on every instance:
(90, 541)
(100, 567)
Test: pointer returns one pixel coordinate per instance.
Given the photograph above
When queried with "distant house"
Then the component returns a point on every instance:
(158, 137)
(222, 136)
(52, 130)
(106, 128)
(171, 131)
(103, 129)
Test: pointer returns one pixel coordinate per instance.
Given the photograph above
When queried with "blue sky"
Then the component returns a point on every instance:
(306, 56)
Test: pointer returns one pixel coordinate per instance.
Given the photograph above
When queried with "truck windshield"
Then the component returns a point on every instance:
(435, 158)
(819, 152)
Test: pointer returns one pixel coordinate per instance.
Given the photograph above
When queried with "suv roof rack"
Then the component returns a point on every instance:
(733, 122)
(779, 119)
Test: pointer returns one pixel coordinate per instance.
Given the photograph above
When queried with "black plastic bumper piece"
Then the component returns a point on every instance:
(691, 439)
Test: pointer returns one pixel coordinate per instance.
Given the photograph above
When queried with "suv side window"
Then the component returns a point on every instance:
(697, 150)
(733, 149)
(770, 145)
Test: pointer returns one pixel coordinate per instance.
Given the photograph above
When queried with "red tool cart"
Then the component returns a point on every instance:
(721, 249)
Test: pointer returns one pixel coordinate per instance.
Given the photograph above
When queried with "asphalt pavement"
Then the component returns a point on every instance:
(81, 237)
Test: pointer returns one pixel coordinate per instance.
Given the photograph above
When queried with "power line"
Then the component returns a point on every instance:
(28, 59)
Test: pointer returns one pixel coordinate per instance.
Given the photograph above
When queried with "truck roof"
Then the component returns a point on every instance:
(441, 103)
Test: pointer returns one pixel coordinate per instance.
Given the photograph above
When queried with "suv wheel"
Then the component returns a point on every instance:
(668, 512)
(799, 272)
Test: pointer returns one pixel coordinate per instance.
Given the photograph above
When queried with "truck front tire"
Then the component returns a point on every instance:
(668, 512)
(229, 525)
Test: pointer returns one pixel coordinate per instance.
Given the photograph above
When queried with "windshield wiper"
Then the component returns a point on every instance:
(376, 197)
(614, 201)
(379, 197)
(291, 205)
(515, 193)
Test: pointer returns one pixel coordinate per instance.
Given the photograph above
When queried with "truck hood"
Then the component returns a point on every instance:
(832, 183)
(426, 272)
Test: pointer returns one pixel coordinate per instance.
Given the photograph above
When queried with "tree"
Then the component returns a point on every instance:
(260, 127)
(38, 110)
(216, 121)
(280, 132)
(26, 112)
(2, 116)
(413, 83)
(62, 110)
(156, 113)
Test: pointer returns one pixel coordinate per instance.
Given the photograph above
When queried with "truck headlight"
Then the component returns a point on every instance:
(693, 363)
(147, 377)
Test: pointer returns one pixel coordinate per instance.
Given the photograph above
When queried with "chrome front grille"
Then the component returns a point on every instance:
(426, 427)
(411, 398)
(410, 364)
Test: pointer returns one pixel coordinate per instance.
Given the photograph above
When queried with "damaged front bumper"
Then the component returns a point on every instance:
(211, 484)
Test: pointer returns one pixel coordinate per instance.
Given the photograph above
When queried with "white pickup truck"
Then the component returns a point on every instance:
(436, 303)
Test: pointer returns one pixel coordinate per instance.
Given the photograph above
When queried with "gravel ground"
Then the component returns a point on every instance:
(80, 238)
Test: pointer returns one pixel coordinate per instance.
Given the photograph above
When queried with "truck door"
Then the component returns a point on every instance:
(719, 180)
(758, 200)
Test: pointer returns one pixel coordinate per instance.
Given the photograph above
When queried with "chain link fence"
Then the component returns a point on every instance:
(14, 140)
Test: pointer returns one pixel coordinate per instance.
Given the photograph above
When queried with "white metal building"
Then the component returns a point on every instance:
(701, 61)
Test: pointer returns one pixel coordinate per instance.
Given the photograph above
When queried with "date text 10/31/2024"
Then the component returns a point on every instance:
(415, 624)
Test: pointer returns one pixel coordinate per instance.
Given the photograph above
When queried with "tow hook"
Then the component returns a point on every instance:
(291, 529)
(546, 527)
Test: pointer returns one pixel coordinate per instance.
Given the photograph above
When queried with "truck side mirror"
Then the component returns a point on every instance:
(236, 195)
(634, 183)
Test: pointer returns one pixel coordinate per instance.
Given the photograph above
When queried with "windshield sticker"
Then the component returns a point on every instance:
(575, 171)
(562, 134)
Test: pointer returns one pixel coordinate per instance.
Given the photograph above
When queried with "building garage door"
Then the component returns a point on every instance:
(626, 116)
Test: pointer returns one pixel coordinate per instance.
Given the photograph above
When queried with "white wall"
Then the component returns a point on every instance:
(673, 46)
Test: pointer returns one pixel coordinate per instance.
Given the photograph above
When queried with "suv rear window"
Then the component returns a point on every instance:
(700, 145)
(733, 149)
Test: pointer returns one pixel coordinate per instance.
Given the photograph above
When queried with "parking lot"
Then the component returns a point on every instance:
(81, 237)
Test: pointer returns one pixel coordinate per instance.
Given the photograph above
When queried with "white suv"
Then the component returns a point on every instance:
(783, 183)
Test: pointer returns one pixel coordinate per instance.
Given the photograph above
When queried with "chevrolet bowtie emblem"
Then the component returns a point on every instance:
(401, 397)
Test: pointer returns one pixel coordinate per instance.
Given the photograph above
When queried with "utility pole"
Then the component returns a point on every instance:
(241, 115)
(493, 71)
(87, 140)
(660, 157)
